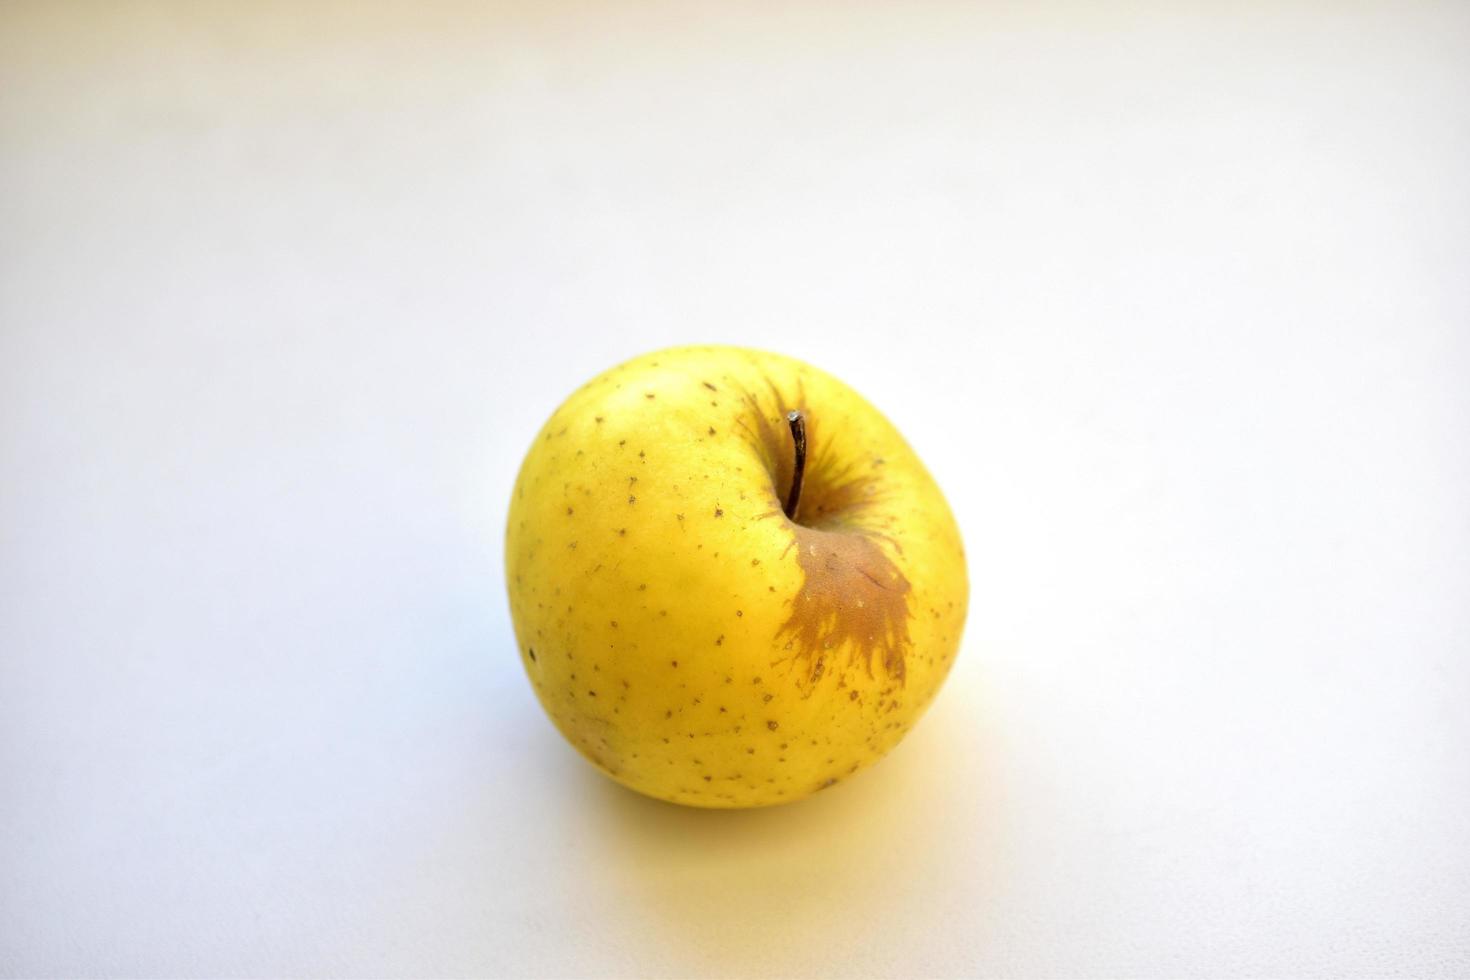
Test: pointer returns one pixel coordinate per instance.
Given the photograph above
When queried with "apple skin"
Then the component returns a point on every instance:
(685, 636)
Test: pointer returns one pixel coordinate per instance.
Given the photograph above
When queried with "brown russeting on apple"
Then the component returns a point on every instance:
(853, 601)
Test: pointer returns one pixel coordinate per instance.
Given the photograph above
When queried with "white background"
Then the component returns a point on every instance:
(1175, 302)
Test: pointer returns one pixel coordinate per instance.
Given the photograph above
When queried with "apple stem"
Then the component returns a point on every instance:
(798, 436)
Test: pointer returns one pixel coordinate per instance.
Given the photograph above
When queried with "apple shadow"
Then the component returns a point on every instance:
(747, 892)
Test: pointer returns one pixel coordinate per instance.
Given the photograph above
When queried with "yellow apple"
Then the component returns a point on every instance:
(697, 633)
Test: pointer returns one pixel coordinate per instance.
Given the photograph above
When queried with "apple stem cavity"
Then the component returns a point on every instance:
(798, 436)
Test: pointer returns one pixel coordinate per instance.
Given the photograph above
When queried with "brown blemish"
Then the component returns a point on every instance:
(852, 596)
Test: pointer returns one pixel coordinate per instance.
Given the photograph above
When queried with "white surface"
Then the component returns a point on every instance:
(1175, 304)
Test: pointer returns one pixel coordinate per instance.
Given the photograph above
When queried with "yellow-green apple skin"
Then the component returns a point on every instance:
(692, 641)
